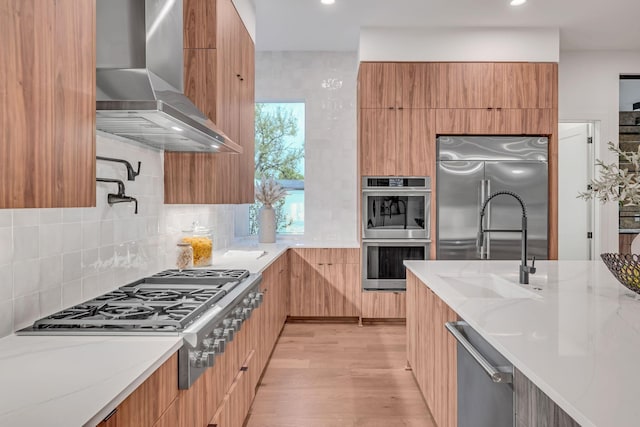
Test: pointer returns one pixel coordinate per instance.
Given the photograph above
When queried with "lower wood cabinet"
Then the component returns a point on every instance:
(534, 408)
(150, 400)
(383, 305)
(431, 350)
(223, 395)
(325, 283)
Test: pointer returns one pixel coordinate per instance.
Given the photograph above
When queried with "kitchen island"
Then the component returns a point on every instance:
(574, 331)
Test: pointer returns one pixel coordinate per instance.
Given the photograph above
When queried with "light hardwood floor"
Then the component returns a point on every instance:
(339, 375)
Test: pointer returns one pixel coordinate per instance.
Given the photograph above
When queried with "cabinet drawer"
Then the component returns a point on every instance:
(383, 305)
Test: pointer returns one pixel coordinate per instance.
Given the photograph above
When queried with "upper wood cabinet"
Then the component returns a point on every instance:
(495, 121)
(526, 85)
(220, 80)
(199, 24)
(496, 85)
(465, 85)
(397, 142)
(396, 85)
(47, 103)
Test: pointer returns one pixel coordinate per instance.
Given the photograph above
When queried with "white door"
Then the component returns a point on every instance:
(574, 172)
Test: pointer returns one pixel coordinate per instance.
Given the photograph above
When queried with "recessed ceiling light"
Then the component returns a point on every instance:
(518, 2)
(176, 128)
(327, 1)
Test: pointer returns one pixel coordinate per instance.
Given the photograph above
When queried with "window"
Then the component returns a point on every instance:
(280, 132)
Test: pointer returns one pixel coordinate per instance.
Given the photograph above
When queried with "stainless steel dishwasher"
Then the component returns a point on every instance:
(485, 381)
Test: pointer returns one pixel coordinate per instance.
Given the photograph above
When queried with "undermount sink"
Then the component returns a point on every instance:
(488, 286)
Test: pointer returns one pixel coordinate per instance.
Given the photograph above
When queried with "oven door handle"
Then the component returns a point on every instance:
(494, 373)
(396, 242)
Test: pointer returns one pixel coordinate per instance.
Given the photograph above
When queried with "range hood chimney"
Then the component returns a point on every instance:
(140, 82)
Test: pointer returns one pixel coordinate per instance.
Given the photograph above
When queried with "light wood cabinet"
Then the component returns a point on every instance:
(397, 142)
(237, 401)
(220, 80)
(148, 402)
(496, 85)
(525, 85)
(47, 103)
(396, 85)
(431, 350)
(465, 85)
(495, 121)
(199, 24)
(325, 283)
(383, 305)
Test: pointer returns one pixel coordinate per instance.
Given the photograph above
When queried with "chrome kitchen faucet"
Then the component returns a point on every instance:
(525, 270)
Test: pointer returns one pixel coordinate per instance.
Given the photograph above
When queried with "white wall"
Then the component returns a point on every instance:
(326, 82)
(589, 90)
(53, 258)
(629, 94)
(247, 11)
(459, 44)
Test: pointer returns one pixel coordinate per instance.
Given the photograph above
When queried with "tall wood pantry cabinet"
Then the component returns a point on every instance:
(219, 77)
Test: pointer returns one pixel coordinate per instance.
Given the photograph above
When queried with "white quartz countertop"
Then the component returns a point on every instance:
(76, 380)
(73, 381)
(577, 337)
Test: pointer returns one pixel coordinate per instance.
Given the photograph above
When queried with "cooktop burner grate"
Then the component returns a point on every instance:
(202, 274)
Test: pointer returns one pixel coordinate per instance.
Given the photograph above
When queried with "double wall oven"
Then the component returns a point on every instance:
(395, 228)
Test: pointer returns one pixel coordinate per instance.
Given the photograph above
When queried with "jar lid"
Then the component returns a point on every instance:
(196, 228)
(184, 244)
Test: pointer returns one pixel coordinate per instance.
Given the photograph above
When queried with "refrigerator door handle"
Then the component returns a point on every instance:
(487, 183)
(483, 197)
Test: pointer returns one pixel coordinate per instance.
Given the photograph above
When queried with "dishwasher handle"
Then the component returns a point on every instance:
(493, 372)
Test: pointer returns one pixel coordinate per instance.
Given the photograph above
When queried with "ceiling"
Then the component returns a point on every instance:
(310, 25)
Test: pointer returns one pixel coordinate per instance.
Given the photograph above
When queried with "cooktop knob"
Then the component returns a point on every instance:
(200, 359)
(255, 303)
(259, 296)
(246, 301)
(237, 323)
(246, 313)
(220, 345)
(217, 332)
(227, 322)
(252, 295)
(207, 343)
(228, 334)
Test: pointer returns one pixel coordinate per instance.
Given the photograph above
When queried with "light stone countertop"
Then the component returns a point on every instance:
(577, 338)
(70, 381)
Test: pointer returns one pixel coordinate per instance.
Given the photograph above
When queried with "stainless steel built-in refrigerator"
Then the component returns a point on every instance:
(470, 168)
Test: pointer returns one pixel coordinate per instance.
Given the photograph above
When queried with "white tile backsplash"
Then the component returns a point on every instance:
(326, 82)
(26, 309)
(6, 245)
(6, 282)
(6, 317)
(26, 243)
(26, 278)
(55, 258)
(51, 239)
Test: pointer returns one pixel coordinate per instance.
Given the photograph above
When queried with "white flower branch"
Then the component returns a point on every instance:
(617, 184)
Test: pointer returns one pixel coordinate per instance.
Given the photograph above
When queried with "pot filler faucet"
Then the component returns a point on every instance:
(525, 270)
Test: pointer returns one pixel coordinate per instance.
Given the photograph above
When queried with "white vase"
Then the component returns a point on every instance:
(267, 225)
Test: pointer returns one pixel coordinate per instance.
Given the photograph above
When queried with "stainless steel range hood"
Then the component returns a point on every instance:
(140, 82)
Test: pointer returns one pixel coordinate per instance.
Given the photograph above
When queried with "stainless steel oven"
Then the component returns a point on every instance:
(396, 207)
(383, 262)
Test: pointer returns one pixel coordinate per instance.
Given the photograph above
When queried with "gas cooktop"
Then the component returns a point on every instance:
(166, 302)
(205, 307)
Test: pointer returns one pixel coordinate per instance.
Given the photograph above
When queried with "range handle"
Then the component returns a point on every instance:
(494, 373)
